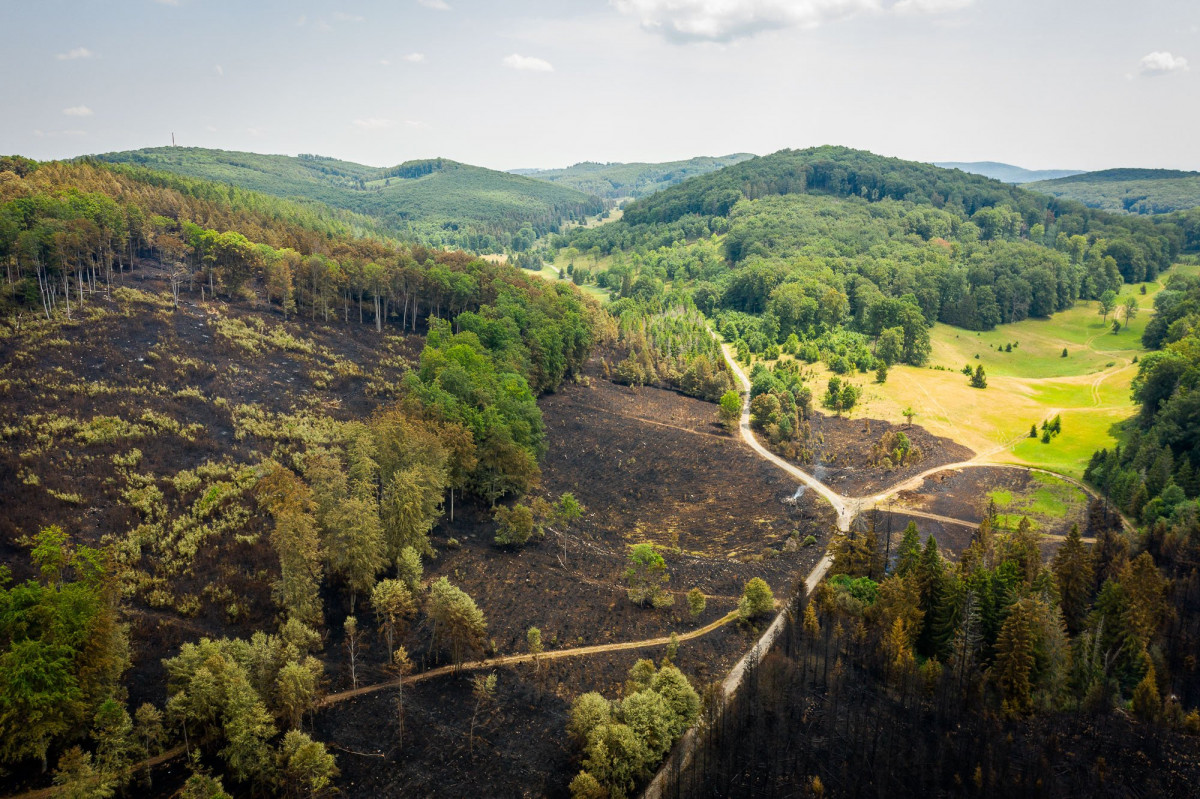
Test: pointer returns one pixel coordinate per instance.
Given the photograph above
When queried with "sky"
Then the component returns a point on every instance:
(1066, 84)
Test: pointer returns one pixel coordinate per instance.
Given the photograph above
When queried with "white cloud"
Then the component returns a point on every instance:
(527, 63)
(210, 128)
(72, 55)
(414, 58)
(55, 133)
(374, 123)
(220, 72)
(436, 5)
(256, 131)
(930, 6)
(340, 17)
(385, 62)
(78, 111)
(1161, 63)
(303, 18)
(727, 20)
(167, 2)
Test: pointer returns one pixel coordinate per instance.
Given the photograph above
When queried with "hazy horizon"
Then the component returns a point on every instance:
(538, 84)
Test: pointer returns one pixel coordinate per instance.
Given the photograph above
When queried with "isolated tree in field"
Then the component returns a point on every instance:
(352, 642)
(402, 665)
(533, 637)
(394, 606)
(908, 413)
(1131, 309)
(1108, 301)
(566, 511)
(458, 623)
(697, 602)
(881, 373)
(979, 377)
(646, 577)
(731, 410)
(757, 600)
(1033, 431)
(484, 690)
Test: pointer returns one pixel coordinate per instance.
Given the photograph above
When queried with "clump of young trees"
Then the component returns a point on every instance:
(646, 577)
(622, 741)
(517, 524)
(63, 651)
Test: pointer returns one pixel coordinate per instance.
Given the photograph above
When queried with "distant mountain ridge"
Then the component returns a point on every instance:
(1007, 173)
(1132, 191)
(617, 180)
(435, 201)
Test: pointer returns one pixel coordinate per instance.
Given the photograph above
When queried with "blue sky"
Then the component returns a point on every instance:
(1084, 84)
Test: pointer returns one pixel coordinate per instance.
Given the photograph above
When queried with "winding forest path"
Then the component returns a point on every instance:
(849, 507)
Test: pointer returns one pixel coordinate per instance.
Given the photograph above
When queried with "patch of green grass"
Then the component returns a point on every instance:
(1083, 433)
(1002, 498)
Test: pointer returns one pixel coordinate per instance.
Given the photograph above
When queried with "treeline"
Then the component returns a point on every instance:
(1154, 475)
(998, 674)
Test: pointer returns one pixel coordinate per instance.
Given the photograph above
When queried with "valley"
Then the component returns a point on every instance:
(347, 512)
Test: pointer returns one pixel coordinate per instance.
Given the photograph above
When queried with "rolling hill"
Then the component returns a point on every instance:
(1006, 173)
(617, 181)
(435, 201)
(1134, 191)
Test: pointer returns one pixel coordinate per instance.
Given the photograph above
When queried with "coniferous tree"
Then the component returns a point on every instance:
(1073, 572)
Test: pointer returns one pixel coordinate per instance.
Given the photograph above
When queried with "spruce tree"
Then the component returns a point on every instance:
(1072, 567)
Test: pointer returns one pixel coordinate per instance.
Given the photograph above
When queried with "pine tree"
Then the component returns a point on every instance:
(908, 555)
(1146, 700)
(1013, 665)
(1073, 571)
(930, 576)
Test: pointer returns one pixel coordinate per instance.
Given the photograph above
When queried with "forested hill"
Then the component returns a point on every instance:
(434, 201)
(617, 180)
(834, 246)
(1135, 191)
(1006, 173)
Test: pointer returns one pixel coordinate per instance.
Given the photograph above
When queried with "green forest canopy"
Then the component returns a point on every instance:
(808, 242)
(434, 201)
(1136, 191)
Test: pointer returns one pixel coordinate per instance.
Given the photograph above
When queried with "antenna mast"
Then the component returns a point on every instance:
(172, 138)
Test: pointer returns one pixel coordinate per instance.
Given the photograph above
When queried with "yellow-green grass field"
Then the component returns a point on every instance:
(550, 272)
(1089, 389)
